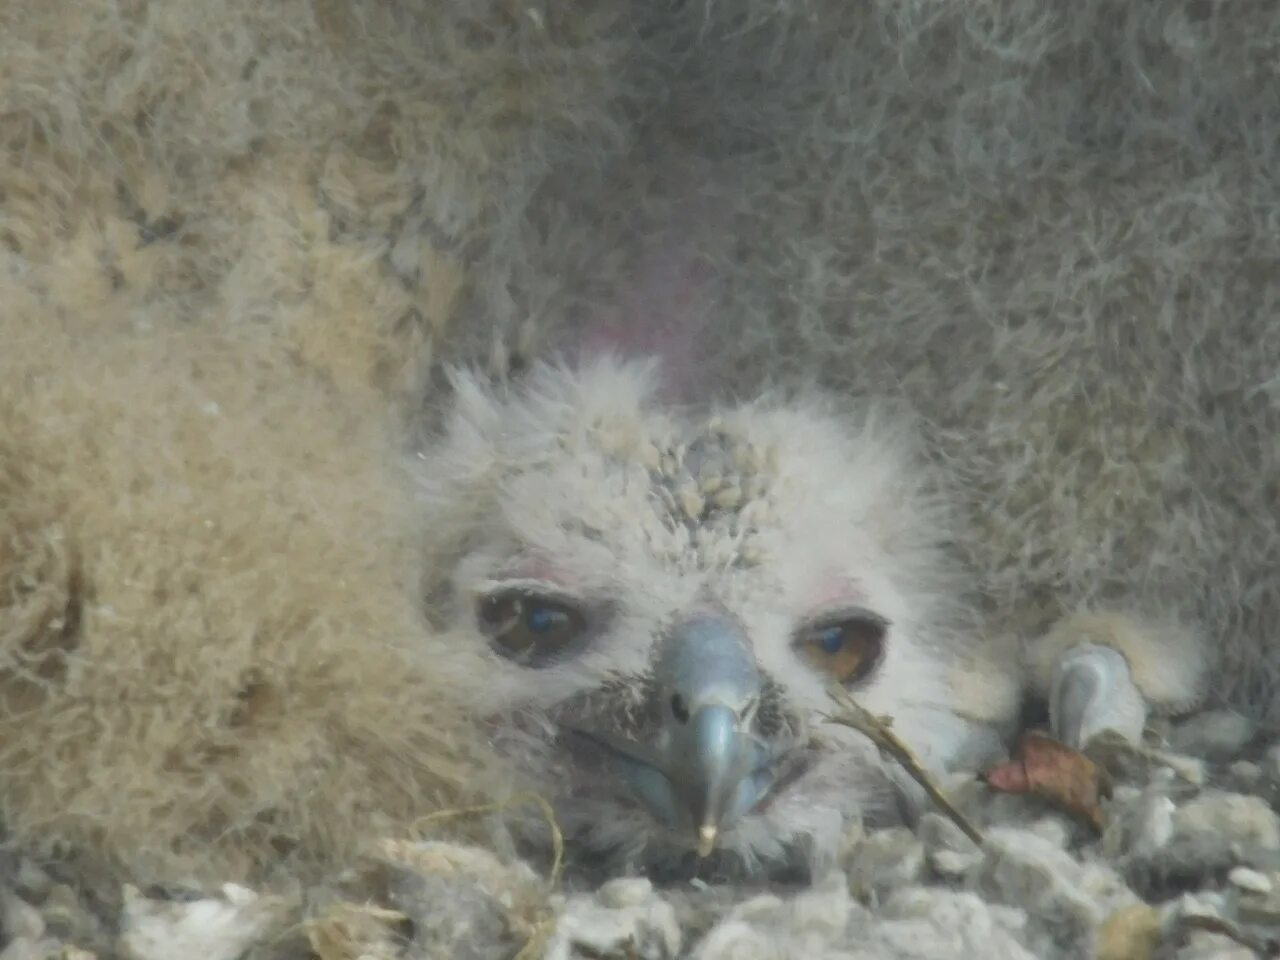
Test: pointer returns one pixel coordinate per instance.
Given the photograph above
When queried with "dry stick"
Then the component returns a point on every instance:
(878, 729)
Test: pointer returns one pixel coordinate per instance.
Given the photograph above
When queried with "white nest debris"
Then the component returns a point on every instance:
(1215, 734)
(1141, 824)
(1067, 900)
(624, 918)
(1240, 822)
(47, 949)
(357, 931)
(1179, 871)
(462, 902)
(213, 928)
(26, 930)
(443, 900)
(827, 923)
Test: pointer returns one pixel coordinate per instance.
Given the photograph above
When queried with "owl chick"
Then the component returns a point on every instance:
(647, 603)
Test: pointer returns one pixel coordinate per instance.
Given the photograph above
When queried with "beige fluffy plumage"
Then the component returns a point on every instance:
(209, 637)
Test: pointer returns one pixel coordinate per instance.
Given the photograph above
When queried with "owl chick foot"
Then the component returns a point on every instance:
(1092, 691)
(1104, 670)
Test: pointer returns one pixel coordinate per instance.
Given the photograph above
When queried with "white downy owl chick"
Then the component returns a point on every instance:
(647, 603)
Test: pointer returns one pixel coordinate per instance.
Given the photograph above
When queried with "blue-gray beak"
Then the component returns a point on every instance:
(705, 767)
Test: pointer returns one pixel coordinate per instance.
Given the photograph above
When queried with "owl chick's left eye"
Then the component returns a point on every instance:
(846, 648)
(530, 629)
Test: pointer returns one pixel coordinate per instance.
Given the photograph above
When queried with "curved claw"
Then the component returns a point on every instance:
(1092, 692)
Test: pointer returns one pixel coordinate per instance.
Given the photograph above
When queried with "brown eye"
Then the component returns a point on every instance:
(847, 649)
(529, 629)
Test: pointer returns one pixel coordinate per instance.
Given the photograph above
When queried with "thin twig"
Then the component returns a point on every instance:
(878, 729)
(557, 837)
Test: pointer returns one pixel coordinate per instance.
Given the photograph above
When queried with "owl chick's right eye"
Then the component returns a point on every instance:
(532, 630)
(847, 648)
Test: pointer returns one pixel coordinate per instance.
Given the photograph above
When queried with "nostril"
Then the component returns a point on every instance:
(679, 709)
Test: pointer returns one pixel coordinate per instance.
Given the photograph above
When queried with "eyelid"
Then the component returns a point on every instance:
(541, 588)
(836, 616)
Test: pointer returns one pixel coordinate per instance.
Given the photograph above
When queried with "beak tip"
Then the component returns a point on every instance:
(706, 840)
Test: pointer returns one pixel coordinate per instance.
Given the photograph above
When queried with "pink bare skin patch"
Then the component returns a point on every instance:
(533, 567)
(663, 311)
(663, 315)
(835, 590)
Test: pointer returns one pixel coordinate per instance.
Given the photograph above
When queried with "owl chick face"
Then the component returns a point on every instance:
(646, 606)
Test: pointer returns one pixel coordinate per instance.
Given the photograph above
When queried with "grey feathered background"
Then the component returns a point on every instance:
(1054, 229)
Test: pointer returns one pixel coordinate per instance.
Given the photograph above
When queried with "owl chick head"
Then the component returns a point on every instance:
(645, 605)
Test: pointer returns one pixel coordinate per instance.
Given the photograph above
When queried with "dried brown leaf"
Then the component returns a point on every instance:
(1046, 768)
